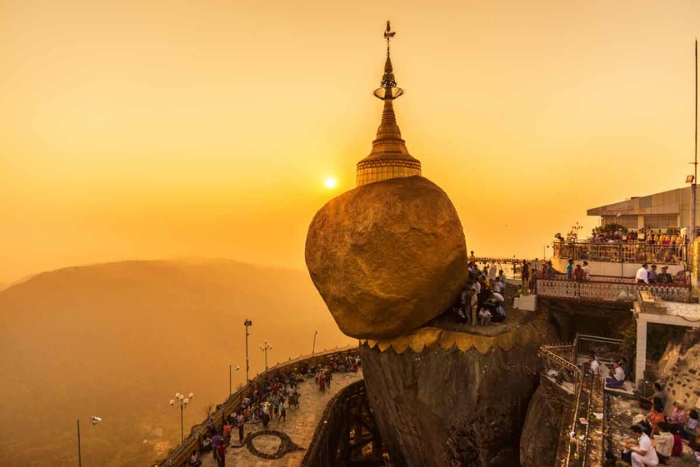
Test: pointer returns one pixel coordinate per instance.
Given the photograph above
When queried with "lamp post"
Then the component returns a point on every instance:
(265, 347)
(95, 421)
(694, 181)
(247, 323)
(180, 402)
(313, 349)
(230, 368)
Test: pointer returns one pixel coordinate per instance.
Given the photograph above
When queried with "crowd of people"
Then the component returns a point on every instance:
(616, 243)
(620, 234)
(270, 400)
(657, 436)
(645, 275)
(483, 296)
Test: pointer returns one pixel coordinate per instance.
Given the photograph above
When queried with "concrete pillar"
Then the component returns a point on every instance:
(641, 360)
(640, 222)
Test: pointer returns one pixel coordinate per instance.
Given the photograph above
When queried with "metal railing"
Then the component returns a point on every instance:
(606, 348)
(180, 455)
(558, 359)
(621, 252)
(609, 291)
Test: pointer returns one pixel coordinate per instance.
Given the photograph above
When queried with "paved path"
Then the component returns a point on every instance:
(300, 426)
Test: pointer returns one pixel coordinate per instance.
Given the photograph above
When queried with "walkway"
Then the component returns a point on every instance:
(300, 426)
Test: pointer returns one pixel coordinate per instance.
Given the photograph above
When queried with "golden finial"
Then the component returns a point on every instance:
(388, 35)
(388, 89)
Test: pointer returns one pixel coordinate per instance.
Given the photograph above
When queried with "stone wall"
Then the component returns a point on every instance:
(680, 369)
(460, 406)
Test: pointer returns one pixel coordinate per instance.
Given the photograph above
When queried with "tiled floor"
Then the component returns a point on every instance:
(300, 426)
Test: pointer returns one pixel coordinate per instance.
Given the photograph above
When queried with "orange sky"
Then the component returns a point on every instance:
(139, 129)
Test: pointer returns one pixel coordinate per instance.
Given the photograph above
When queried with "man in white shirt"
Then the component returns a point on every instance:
(642, 275)
(644, 453)
(618, 380)
(586, 271)
(595, 365)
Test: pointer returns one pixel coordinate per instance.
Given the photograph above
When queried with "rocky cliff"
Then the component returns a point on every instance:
(540, 437)
(445, 398)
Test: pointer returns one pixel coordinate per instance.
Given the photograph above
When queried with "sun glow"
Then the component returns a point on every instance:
(330, 183)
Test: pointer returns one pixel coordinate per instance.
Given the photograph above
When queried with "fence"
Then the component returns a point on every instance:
(180, 455)
(608, 291)
(606, 348)
(621, 252)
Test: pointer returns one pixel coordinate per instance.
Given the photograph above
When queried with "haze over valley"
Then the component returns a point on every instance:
(118, 340)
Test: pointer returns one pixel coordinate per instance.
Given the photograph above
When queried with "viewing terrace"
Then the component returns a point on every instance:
(284, 443)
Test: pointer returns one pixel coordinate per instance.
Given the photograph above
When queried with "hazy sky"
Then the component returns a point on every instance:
(132, 129)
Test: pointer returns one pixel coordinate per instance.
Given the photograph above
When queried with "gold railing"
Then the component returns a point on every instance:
(621, 252)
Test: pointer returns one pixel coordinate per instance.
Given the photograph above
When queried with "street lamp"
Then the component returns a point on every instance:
(229, 377)
(247, 323)
(95, 421)
(265, 347)
(313, 349)
(180, 402)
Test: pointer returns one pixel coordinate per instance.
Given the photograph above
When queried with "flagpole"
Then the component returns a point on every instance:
(693, 193)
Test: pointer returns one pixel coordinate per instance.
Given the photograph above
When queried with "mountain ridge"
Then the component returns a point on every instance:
(118, 339)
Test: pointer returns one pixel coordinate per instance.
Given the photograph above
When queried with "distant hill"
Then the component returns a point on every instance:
(118, 340)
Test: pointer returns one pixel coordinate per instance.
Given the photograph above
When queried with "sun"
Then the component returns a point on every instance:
(330, 183)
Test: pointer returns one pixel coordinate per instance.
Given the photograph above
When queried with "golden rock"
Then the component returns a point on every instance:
(387, 257)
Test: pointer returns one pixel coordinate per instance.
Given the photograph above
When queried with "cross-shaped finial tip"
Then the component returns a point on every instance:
(388, 34)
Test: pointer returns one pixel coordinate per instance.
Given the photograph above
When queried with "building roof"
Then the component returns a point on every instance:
(667, 202)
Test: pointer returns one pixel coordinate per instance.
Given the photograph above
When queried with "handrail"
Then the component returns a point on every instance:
(178, 456)
(625, 252)
(607, 291)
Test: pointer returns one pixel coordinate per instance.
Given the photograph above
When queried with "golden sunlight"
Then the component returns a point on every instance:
(330, 183)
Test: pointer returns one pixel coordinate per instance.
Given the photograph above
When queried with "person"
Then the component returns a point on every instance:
(194, 460)
(578, 273)
(472, 258)
(283, 410)
(689, 431)
(221, 455)
(497, 286)
(570, 269)
(640, 453)
(525, 276)
(215, 441)
(664, 277)
(586, 271)
(618, 380)
(472, 307)
(549, 272)
(227, 433)
(502, 278)
(658, 397)
(664, 443)
(265, 414)
(655, 417)
(240, 422)
(642, 276)
(464, 300)
(492, 274)
(595, 365)
(484, 317)
(652, 276)
(676, 421)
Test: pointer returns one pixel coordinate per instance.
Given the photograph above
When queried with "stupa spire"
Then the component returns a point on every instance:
(389, 157)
